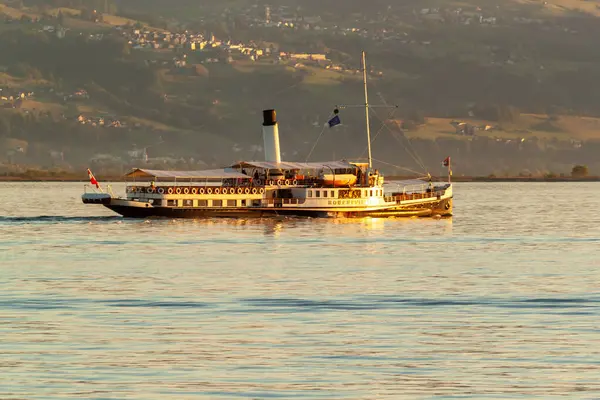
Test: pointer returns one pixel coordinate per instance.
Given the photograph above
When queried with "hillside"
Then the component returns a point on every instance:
(114, 87)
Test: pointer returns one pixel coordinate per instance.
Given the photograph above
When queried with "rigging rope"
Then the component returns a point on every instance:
(410, 150)
(399, 167)
(375, 137)
(318, 138)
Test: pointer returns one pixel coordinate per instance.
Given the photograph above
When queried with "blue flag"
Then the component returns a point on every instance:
(334, 121)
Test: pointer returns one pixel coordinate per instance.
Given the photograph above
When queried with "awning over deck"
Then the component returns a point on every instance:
(294, 165)
(190, 175)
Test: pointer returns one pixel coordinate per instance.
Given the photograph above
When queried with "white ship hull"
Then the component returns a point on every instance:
(144, 205)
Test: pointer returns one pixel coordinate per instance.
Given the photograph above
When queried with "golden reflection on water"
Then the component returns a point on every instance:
(493, 303)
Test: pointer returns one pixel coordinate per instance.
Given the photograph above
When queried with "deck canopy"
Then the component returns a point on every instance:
(187, 175)
(294, 165)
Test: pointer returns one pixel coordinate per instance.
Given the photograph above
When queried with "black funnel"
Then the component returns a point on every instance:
(269, 118)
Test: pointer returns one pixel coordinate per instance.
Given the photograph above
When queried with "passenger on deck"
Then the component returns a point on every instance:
(152, 185)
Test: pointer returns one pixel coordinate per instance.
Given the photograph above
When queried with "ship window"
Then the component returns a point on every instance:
(231, 203)
(332, 193)
(171, 203)
(217, 203)
(188, 203)
(317, 193)
(325, 193)
(202, 203)
(310, 193)
(370, 193)
(243, 203)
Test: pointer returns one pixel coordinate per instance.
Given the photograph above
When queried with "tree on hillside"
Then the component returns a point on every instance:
(579, 171)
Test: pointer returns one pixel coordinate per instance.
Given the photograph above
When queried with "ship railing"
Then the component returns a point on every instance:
(88, 188)
(414, 196)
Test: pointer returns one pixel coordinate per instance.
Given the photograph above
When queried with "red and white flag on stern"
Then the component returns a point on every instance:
(93, 180)
(446, 162)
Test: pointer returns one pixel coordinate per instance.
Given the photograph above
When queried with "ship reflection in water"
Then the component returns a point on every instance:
(499, 301)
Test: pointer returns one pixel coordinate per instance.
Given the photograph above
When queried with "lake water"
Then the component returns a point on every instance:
(501, 301)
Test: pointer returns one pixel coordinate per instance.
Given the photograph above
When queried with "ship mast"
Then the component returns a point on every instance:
(364, 65)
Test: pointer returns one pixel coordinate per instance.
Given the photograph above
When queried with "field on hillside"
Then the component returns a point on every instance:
(557, 7)
(71, 15)
(562, 128)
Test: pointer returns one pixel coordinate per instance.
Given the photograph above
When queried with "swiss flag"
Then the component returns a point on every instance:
(93, 180)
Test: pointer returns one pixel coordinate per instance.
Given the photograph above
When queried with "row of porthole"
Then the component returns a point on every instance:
(195, 190)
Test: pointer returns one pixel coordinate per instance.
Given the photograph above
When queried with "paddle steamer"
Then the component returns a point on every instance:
(275, 188)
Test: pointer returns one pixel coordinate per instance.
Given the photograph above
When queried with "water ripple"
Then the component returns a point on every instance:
(501, 301)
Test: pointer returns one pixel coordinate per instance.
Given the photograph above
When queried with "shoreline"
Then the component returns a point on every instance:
(461, 179)
(512, 179)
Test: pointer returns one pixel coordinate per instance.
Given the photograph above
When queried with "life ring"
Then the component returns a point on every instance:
(254, 191)
(239, 190)
(294, 182)
(178, 190)
(287, 182)
(194, 190)
(217, 190)
(201, 191)
(271, 182)
(160, 190)
(257, 182)
(224, 191)
(278, 182)
(149, 190)
(261, 190)
(247, 190)
(209, 191)
(170, 190)
(186, 190)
